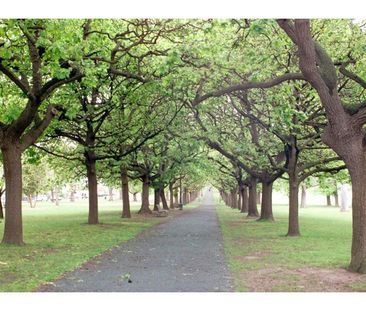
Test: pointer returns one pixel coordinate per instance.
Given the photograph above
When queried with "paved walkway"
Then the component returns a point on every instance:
(184, 254)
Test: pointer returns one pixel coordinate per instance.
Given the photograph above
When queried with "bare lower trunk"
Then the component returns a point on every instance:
(293, 223)
(156, 199)
(185, 196)
(336, 198)
(266, 204)
(176, 197)
(1, 204)
(239, 200)
(244, 202)
(329, 203)
(126, 211)
(13, 229)
(93, 189)
(303, 196)
(134, 195)
(163, 200)
(171, 196)
(358, 258)
(31, 202)
(252, 208)
(234, 200)
(145, 209)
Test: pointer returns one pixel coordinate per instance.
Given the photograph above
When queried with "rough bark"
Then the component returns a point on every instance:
(239, 200)
(163, 200)
(293, 223)
(13, 228)
(157, 199)
(176, 197)
(185, 196)
(1, 204)
(145, 209)
(126, 211)
(244, 202)
(252, 201)
(171, 196)
(233, 200)
(92, 187)
(266, 204)
(358, 258)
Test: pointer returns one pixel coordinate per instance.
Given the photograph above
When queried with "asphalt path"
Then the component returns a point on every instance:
(184, 254)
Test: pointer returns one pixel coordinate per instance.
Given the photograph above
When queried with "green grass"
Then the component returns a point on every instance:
(58, 240)
(325, 242)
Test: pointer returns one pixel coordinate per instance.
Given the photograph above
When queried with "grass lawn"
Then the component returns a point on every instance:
(58, 240)
(261, 258)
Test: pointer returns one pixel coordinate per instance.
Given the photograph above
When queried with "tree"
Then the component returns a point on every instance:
(36, 58)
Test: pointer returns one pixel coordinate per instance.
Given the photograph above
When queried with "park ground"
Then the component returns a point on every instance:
(58, 239)
(258, 254)
(262, 259)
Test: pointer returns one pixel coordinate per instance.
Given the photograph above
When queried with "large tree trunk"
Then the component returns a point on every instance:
(145, 209)
(92, 187)
(244, 201)
(13, 229)
(126, 211)
(163, 199)
(252, 208)
(266, 207)
(293, 223)
(358, 258)
(303, 196)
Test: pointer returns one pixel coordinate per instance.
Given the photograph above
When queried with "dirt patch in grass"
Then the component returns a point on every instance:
(308, 279)
(7, 277)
